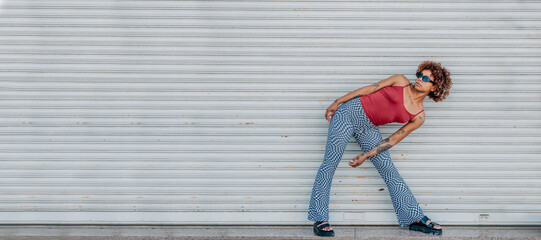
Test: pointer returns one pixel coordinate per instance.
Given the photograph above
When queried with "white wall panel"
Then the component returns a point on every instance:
(212, 112)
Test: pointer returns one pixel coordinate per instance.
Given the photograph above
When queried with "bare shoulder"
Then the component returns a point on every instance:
(419, 119)
(401, 80)
(415, 123)
(394, 80)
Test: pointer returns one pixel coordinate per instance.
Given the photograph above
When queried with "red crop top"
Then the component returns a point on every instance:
(387, 106)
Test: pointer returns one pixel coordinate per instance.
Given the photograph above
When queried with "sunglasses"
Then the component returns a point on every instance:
(424, 78)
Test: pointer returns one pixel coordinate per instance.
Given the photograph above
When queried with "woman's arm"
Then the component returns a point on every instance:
(389, 142)
(390, 81)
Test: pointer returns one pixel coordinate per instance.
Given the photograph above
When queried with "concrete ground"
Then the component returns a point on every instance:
(149, 232)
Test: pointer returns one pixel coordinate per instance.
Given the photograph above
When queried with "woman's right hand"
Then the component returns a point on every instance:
(330, 111)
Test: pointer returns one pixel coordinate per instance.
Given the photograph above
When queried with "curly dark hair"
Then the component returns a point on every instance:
(442, 78)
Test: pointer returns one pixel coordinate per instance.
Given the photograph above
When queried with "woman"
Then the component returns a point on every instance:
(390, 100)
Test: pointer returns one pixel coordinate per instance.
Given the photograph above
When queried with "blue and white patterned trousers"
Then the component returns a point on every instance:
(350, 120)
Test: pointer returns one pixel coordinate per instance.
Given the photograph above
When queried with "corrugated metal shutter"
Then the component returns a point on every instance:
(213, 111)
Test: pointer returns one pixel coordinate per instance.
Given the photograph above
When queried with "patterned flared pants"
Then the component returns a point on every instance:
(350, 120)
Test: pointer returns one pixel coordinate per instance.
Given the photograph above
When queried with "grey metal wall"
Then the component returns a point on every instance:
(213, 111)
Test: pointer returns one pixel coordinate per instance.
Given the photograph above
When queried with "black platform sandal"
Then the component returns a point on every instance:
(423, 227)
(318, 230)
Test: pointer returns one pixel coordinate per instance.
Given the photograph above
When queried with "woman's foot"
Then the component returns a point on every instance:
(427, 226)
(323, 229)
(436, 225)
(326, 229)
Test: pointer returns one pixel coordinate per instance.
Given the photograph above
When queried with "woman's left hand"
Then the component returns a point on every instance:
(358, 160)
